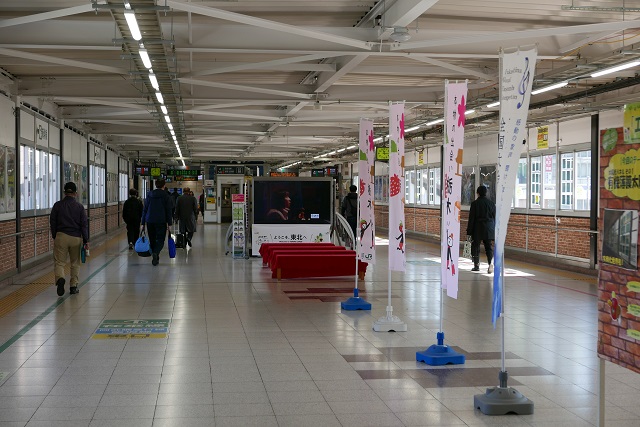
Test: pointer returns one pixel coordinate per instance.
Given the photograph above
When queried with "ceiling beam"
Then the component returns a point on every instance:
(61, 61)
(267, 24)
(256, 65)
(462, 70)
(46, 15)
(404, 12)
(325, 80)
(243, 88)
(519, 35)
(235, 115)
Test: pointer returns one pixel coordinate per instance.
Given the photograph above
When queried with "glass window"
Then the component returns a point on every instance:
(566, 181)
(423, 189)
(488, 176)
(410, 186)
(583, 181)
(549, 182)
(468, 185)
(434, 186)
(520, 195)
(11, 179)
(42, 179)
(3, 180)
(27, 178)
(124, 184)
(54, 174)
(536, 184)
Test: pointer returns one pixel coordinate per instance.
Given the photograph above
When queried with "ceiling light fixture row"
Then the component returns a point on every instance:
(136, 34)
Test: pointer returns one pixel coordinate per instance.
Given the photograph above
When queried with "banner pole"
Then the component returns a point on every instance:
(502, 321)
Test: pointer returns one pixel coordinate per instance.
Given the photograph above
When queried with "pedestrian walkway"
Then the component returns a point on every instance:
(207, 340)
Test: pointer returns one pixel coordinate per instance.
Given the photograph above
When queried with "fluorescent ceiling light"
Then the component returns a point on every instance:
(160, 98)
(351, 147)
(435, 122)
(466, 113)
(318, 156)
(144, 56)
(493, 104)
(616, 68)
(127, 5)
(167, 119)
(378, 139)
(154, 81)
(163, 109)
(130, 16)
(173, 132)
(412, 129)
(550, 87)
(341, 150)
(170, 126)
(330, 153)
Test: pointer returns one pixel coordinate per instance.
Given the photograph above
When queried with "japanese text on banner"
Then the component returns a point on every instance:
(397, 258)
(366, 176)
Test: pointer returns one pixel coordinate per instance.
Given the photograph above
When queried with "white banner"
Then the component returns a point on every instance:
(263, 233)
(366, 175)
(516, 78)
(396, 187)
(455, 107)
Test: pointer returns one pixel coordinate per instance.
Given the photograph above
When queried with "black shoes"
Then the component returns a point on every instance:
(189, 242)
(60, 285)
(73, 290)
(476, 268)
(156, 259)
(130, 246)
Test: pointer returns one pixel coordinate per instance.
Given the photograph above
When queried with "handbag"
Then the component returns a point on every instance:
(83, 254)
(466, 250)
(142, 246)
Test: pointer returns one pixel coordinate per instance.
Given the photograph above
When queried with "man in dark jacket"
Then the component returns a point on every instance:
(70, 231)
(349, 208)
(157, 217)
(481, 227)
(132, 214)
(186, 213)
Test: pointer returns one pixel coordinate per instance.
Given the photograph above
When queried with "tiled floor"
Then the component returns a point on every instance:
(246, 350)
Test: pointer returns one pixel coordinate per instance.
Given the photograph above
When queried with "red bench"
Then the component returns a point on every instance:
(265, 248)
(303, 251)
(288, 266)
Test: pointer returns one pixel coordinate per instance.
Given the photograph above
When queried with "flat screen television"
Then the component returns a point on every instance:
(292, 200)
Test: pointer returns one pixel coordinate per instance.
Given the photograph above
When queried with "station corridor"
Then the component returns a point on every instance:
(227, 345)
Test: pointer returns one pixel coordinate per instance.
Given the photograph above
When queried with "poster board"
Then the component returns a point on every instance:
(618, 281)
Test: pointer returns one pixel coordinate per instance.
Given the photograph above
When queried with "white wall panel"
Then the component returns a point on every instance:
(112, 162)
(576, 131)
(611, 119)
(54, 137)
(27, 126)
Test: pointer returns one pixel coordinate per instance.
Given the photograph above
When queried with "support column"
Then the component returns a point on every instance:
(595, 183)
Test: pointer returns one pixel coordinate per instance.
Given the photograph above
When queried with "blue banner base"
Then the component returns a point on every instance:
(355, 303)
(437, 355)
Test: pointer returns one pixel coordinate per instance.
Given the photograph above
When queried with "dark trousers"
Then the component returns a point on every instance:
(133, 232)
(353, 222)
(157, 233)
(475, 250)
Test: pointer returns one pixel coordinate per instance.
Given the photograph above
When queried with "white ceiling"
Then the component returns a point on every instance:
(288, 80)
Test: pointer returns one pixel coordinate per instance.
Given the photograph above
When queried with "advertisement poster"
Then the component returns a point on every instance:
(238, 207)
(618, 280)
(262, 233)
(543, 137)
(366, 202)
(632, 123)
(516, 78)
(453, 144)
(397, 229)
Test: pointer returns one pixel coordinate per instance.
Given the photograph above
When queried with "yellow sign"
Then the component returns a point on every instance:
(382, 153)
(632, 123)
(543, 137)
(421, 157)
(622, 176)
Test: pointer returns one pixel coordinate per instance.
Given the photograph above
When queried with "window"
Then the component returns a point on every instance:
(566, 181)
(124, 186)
(468, 184)
(410, 186)
(97, 174)
(488, 178)
(54, 178)
(549, 182)
(583, 181)
(27, 178)
(42, 179)
(536, 188)
(11, 179)
(434, 186)
(520, 195)
(423, 190)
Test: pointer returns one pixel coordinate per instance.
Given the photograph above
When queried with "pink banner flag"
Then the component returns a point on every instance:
(366, 175)
(396, 188)
(455, 107)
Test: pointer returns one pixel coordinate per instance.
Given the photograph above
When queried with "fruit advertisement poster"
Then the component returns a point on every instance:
(618, 281)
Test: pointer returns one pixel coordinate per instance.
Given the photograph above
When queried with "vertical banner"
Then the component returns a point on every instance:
(516, 78)
(366, 175)
(455, 107)
(396, 187)
(543, 138)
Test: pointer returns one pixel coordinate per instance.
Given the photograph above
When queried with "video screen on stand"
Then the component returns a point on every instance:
(292, 201)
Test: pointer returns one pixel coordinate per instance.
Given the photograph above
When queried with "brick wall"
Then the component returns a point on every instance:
(27, 248)
(43, 237)
(7, 247)
(113, 214)
(97, 221)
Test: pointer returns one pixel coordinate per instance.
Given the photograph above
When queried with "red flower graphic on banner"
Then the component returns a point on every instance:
(362, 186)
(462, 107)
(371, 145)
(401, 124)
(394, 185)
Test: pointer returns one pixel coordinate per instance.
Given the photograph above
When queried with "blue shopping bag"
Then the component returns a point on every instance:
(171, 244)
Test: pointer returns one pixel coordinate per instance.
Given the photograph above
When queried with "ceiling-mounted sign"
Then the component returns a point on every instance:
(382, 153)
(155, 171)
(543, 137)
(229, 170)
(183, 172)
(317, 172)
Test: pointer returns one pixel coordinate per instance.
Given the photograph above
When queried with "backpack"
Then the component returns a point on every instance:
(350, 207)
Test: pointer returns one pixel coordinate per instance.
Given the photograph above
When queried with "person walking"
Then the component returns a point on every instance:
(132, 215)
(156, 216)
(481, 227)
(186, 213)
(70, 231)
(349, 208)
